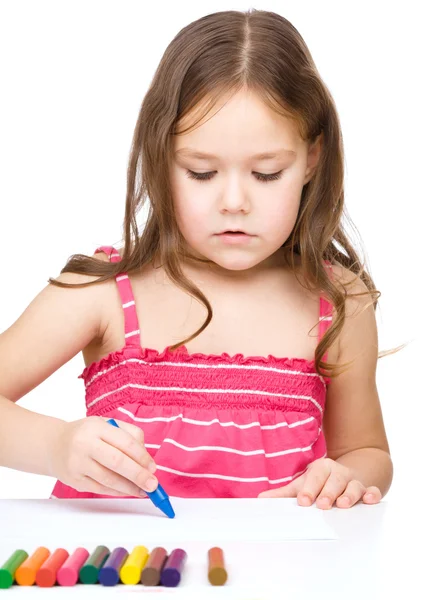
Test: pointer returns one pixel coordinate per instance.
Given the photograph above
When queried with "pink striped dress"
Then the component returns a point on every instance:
(216, 425)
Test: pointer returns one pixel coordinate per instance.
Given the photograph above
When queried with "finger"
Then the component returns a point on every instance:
(315, 478)
(275, 493)
(334, 486)
(351, 495)
(87, 484)
(372, 495)
(133, 430)
(287, 491)
(110, 480)
(117, 461)
(130, 440)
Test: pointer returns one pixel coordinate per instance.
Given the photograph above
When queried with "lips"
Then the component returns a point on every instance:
(233, 231)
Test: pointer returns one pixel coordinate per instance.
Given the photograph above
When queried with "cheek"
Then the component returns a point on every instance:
(185, 203)
(191, 216)
(281, 213)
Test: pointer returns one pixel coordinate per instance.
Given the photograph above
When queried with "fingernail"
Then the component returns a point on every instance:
(306, 500)
(142, 493)
(151, 484)
(345, 500)
(326, 501)
(152, 466)
(369, 496)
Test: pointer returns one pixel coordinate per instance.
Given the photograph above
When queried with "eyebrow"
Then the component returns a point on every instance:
(192, 153)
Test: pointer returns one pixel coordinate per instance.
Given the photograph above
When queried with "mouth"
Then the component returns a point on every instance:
(233, 232)
(234, 237)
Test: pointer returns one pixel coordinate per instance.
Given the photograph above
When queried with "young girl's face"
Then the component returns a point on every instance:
(234, 194)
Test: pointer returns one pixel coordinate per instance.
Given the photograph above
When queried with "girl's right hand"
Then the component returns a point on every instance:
(90, 455)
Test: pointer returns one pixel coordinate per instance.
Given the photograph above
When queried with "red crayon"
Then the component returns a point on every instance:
(46, 576)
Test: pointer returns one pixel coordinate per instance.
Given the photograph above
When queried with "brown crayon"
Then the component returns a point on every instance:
(151, 573)
(217, 573)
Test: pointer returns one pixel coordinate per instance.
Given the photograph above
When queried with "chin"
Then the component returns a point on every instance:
(236, 263)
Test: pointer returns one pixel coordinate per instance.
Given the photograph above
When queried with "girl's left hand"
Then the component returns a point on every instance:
(327, 481)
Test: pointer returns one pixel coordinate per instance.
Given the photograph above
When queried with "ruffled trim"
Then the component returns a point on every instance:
(183, 355)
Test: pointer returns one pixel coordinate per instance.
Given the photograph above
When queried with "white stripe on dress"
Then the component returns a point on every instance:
(241, 452)
(131, 333)
(127, 304)
(204, 391)
(228, 477)
(203, 366)
(213, 421)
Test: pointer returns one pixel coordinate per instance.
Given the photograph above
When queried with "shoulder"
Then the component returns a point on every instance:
(346, 277)
(96, 295)
(359, 330)
(83, 278)
(357, 294)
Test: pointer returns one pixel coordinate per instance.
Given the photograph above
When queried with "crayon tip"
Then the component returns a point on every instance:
(167, 509)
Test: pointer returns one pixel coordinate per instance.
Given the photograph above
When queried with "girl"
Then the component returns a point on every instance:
(233, 338)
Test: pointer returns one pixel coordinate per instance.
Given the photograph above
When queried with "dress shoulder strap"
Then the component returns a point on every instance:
(326, 312)
(131, 323)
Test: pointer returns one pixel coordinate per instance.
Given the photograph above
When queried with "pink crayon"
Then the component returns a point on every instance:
(68, 574)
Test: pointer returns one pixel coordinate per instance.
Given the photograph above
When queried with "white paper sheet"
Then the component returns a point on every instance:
(96, 521)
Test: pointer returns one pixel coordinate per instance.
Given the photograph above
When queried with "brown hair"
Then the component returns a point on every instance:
(218, 54)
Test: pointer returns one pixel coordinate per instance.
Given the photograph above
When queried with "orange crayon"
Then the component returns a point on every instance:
(26, 573)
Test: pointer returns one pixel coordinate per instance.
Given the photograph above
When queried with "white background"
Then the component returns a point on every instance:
(73, 75)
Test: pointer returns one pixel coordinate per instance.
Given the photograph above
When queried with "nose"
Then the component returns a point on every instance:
(233, 197)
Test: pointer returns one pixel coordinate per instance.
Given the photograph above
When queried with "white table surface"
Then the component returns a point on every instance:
(380, 550)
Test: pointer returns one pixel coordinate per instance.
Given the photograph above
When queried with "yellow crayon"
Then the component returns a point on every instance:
(131, 570)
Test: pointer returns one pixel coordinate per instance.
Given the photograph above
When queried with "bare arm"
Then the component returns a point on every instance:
(371, 466)
(26, 438)
(358, 463)
(353, 422)
(56, 325)
(88, 454)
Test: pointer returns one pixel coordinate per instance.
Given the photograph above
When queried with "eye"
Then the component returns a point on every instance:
(259, 176)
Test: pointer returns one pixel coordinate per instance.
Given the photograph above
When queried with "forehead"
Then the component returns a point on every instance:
(241, 121)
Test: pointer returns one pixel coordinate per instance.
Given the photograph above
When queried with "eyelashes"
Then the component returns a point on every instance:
(259, 176)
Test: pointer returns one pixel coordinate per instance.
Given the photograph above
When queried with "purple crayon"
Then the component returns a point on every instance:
(109, 573)
(171, 575)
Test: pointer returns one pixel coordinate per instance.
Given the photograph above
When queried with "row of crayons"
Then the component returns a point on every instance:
(108, 568)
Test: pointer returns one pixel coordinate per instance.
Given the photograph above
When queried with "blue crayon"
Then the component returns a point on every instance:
(109, 573)
(158, 497)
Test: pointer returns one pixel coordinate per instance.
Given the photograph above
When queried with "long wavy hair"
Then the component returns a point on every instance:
(216, 55)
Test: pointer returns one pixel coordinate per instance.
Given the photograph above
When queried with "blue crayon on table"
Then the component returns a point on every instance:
(109, 573)
(171, 574)
(158, 497)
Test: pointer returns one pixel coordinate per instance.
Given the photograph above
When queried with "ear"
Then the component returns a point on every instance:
(314, 153)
